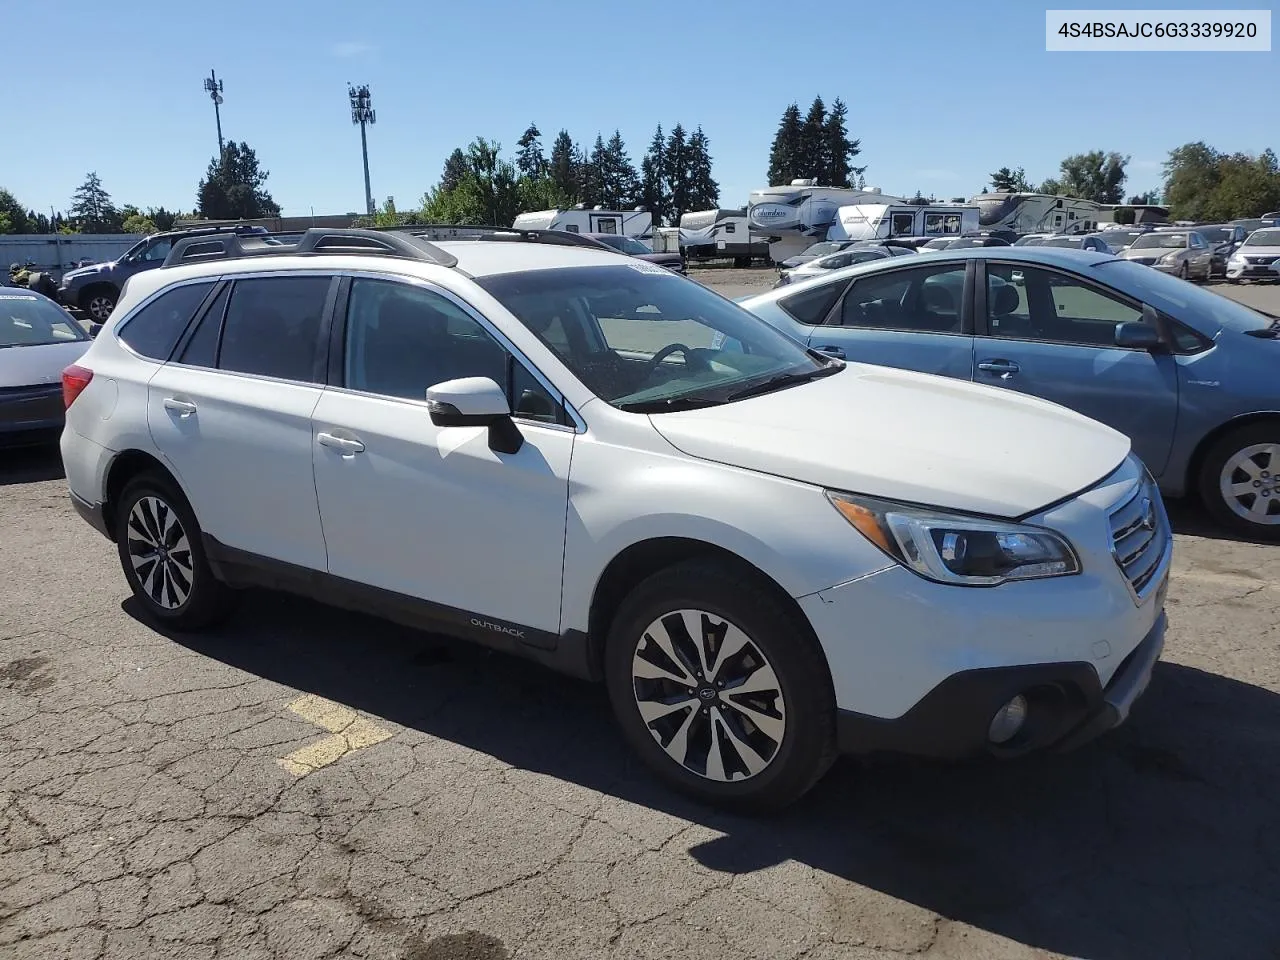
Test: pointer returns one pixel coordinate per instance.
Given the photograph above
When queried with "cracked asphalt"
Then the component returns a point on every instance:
(145, 810)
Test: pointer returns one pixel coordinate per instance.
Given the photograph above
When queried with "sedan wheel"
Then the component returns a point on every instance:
(1240, 481)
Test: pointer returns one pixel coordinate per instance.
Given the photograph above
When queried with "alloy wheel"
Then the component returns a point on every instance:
(160, 553)
(1250, 483)
(100, 307)
(708, 695)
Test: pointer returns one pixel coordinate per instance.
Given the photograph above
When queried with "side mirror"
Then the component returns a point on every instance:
(475, 402)
(95, 329)
(1138, 335)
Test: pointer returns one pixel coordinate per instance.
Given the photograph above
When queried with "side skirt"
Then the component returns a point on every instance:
(567, 653)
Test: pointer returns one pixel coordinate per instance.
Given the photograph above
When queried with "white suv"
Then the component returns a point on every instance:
(768, 555)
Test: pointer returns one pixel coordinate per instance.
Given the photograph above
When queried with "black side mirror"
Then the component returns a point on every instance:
(95, 329)
(1137, 335)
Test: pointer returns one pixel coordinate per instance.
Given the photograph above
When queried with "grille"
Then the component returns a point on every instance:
(1139, 537)
(1144, 260)
(1260, 261)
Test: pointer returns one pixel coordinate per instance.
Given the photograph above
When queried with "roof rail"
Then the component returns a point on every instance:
(453, 231)
(314, 241)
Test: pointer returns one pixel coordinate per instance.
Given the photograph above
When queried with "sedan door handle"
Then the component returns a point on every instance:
(832, 350)
(348, 447)
(1005, 368)
(183, 408)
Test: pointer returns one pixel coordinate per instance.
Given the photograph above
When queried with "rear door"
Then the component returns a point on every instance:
(915, 317)
(1051, 334)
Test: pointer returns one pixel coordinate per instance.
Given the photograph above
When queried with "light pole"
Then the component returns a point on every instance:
(362, 113)
(213, 86)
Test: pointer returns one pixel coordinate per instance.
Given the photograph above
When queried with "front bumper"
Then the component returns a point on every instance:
(1252, 271)
(1068, 707)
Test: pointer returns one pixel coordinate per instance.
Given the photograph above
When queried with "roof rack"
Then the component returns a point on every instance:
(315, 241)
(453, 231)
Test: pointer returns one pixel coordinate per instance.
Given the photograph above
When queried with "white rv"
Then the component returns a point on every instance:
(1036, 213)
(721, 234)
(795, 216)
(584, 219)
(881, 221)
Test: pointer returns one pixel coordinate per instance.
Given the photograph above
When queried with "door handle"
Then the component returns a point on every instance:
(348, 447)
(183, 408)
(832, 350)
(1005, 368)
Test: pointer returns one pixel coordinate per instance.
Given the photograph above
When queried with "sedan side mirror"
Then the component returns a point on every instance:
(1137, 335)
(475, 402)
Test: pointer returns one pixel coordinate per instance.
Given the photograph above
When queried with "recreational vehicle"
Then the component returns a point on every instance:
(795, 216)
(721, 234)
(584, 219)
(1036, 213)
(883, 221)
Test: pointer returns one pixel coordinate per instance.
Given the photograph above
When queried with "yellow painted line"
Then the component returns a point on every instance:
(348, 731)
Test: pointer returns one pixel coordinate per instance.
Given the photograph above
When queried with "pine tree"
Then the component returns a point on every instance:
(784, 155)
(91, 207)
(562, 171)
(813, 143)
(455, 168)
(676, 172)
(653, 186)
(530, 160)
(586, 178)
(619, 184)
(704, 192)
(840, 150)
(234, 188)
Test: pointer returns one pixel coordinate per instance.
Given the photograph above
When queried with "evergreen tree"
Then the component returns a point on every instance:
(530, 160)
(784, 155)
(618, 175)
(562, 171)
(814, 161)
(840, 150)
(455, 168)
(92, 209)
(587, 189)
(653, 186)
(704, 192)
(234, 187)
(676, 172)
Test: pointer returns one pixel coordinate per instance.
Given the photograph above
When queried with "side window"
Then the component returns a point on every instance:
(272, 326)
(812, 306)
(402, 339)
(155, 329)
(157, 251)
(202, 348)
(1030, 303)
(920, 299)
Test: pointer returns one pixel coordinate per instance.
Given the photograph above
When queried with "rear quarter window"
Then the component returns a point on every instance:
(154, 330)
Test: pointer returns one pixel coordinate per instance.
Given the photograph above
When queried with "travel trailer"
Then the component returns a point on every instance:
(882, 221)
(795, 216)
(1036, 213)
(721, 234)
(584, 219)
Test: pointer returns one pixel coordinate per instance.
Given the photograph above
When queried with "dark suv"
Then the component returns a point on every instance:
(95, 289)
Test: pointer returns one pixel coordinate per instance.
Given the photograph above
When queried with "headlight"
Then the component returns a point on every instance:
(955, 548)
(1170, 257)
(1237, 259)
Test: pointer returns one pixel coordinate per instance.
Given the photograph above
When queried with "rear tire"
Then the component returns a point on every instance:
(162, 554)
(1232, 484)
(680, 644)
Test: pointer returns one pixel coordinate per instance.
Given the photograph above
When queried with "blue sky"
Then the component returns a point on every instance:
(941, 93)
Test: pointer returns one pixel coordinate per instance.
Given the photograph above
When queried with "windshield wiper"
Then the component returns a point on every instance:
(783, 380)
(1267, 333)
(668, 404)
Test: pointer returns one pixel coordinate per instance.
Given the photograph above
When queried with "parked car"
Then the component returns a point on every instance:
(1080, 241)
(38, 339)
(1225, 239)
(95, 289)
(937, 243)
(589, 461)
(977, 240)
(1188, 375)
(856, 253)
(1250, 224)
(1184, 253)
(1256, 257)
(673, 260)
(1121, 239)
(814, 251)
(1032, 239)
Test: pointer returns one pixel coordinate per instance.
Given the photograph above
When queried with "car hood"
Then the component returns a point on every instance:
(27, 366)
(907, 436)
(1146, 253)
(1259, 251)
(88, 271)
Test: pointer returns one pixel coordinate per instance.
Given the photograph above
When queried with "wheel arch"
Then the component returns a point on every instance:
(1195, 464)
(127, 465)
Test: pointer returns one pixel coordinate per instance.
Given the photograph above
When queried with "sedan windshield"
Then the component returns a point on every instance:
(827, 246)
(1215, 234)
(645, 340)
(1263, 238)
(625, 244)
(1160, 241)
(27, 320)
(1063, 242)
(1118, 239)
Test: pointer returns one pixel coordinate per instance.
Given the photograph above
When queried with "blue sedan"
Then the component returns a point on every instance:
(1192, 377)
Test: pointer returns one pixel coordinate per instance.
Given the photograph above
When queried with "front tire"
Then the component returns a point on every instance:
(97, 303)
(162, 554)
(719, 689)
(1240, 481)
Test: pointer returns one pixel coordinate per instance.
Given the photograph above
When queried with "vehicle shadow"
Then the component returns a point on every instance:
(1188, 517)
(30, 464)
(1158, 842)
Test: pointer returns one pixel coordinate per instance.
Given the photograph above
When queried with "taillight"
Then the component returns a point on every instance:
(74, 380)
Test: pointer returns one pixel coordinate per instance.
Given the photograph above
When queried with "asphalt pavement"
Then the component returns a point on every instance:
(307, 783)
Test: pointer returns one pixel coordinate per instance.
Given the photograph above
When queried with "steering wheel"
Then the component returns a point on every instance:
(667, 351)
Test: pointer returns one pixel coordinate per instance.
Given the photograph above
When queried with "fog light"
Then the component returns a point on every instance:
(1008, 720)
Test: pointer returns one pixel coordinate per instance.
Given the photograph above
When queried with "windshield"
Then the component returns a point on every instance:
(818, 249)
(1029, 241)
(1115, 239)
(1064, 242)
(939, 243)
(27, 320)
(1184, 301)
(1215, 234)
(625, 244)
(1160, 241)
(1263, 238)
(642, 338)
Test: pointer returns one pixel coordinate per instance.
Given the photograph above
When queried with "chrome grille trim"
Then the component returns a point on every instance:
(1140, 538)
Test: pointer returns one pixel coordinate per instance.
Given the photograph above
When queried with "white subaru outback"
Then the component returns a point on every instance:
(768, 555)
